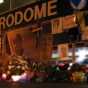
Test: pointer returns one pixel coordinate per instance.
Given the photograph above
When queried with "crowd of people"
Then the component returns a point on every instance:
(46, 72)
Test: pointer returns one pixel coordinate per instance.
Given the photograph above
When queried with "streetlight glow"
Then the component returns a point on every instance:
(1, 1)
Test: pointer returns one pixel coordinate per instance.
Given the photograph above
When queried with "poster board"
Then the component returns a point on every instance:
(63, 51)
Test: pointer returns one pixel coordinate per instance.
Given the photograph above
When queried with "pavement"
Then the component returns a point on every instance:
(42, 85)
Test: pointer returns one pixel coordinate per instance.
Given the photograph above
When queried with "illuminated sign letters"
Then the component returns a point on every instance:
(29, 14)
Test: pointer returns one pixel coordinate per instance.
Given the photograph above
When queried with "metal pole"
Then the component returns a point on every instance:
(79, 19)
(10, 2)
(73, 53)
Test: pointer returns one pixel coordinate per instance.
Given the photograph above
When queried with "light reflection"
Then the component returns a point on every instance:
(1, 1)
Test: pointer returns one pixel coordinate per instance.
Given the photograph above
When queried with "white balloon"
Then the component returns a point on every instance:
(80, 6)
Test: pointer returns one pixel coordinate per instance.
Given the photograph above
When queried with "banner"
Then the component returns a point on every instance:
(56, 25)
(69, 21)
